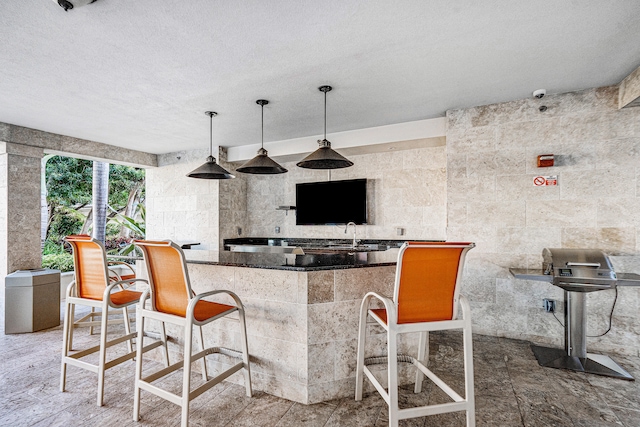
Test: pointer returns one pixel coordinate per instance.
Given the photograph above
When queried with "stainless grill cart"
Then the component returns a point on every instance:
(577, 271)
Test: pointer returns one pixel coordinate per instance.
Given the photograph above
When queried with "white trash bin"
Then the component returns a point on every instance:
(31, 300)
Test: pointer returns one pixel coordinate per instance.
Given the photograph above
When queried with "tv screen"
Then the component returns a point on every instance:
(331, 202)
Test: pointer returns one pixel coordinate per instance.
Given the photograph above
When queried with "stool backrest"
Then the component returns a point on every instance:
(168, 276)
(90, 265)
(427, 283)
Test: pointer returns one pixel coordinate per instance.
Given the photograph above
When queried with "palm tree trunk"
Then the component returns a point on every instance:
(44, 207)
(100, 199)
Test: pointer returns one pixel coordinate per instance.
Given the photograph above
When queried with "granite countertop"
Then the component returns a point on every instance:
(308, 262)
(315, 243)
(385, 255)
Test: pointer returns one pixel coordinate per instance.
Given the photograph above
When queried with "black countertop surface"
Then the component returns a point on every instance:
(279, 261)
(386, 255)
(306, 242)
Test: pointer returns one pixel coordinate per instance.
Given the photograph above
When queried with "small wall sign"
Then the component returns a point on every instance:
(545, 160)
(545, 181)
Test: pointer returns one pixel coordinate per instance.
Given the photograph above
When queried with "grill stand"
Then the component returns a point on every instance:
(575, 356)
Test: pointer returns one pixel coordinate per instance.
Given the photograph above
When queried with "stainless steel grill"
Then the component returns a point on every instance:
(577, 271)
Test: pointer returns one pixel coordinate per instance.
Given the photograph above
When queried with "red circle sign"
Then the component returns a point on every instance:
(539, 180)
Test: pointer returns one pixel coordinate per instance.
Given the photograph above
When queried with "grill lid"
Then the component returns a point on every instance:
(582, 270)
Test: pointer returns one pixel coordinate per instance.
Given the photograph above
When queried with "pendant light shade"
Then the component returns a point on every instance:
(262, 164)
(210, 170)
(325, 157)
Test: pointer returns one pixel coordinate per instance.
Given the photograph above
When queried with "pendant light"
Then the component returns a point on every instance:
(210, 170)
(262, 164)
(325, 157)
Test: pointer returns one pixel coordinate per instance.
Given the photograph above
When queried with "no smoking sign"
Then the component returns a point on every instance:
(545, 181)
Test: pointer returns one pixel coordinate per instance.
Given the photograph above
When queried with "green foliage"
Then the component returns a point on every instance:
(113, 228)
(122, 180)
(69, 189)
(62, 261)
(53, 248)
(68, 181)
(66, 221)
(138, 230)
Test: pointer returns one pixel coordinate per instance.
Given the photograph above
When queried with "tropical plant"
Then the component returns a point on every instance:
(138, 228)
(62, 261)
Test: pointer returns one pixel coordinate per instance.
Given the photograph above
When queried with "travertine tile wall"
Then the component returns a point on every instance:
(181, 208)
(19, 208)
(3, 214)
(406, 189)
(189, 209)
(233, 203)
(491, 200)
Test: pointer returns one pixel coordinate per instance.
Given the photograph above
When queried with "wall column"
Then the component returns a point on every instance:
(20, 169)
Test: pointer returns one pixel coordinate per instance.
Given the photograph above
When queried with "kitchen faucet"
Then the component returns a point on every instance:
(346, 228)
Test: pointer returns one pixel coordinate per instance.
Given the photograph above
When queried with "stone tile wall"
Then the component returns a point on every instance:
(406, 189)
(19, 208)
(189, 209)
(181, 208)
(491, 200)
(233, 203)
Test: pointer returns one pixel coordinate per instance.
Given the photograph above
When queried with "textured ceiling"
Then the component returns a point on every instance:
(140, 74)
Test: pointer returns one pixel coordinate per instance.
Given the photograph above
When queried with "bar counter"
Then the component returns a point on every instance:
(302, 317)
(329, 260)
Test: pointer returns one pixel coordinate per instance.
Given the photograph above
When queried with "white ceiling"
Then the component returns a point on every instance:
(141, 73)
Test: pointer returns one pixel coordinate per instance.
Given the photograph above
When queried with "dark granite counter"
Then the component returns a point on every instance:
(307, 262)
(319, 254)
(314, 243)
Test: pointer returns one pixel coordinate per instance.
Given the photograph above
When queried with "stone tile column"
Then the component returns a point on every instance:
(20, 169)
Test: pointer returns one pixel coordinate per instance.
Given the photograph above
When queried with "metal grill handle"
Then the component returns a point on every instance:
(583, 264)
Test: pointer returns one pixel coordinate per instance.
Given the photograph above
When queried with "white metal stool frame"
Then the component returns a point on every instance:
(105, 303)
(187, 322)
(113, 277)
(394, 329)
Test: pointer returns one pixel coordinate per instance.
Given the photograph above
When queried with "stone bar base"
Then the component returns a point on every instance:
(302, 327)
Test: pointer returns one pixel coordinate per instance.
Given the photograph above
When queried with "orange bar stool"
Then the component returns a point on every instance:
(426, 297)
(93, 287)
(173, 301)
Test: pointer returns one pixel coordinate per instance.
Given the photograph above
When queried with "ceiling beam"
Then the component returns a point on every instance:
(362, 138)
(68, 146)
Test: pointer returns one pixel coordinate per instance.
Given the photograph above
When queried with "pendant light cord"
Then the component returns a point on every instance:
(325, 115)
(211, 135)
(262, 125)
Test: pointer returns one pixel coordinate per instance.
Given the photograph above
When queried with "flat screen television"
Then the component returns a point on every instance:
(331, 202)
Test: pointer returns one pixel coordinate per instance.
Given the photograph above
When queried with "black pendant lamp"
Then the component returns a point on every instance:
(262, 164)
(325, 157)
(210, 170)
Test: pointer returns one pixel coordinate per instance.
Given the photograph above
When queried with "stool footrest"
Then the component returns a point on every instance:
(383, 360)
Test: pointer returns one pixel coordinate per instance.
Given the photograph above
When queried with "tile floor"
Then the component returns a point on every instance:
(511, 390)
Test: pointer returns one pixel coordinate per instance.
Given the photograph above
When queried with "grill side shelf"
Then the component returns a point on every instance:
(628, 279)
(531, 274)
